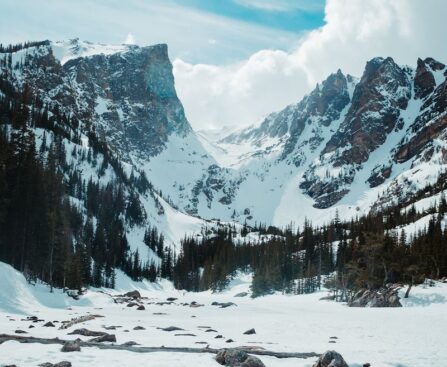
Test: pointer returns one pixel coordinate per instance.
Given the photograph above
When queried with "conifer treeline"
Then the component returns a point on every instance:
(367, 252)
(42, 233)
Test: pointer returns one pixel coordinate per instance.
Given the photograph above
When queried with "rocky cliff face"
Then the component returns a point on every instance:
(127, 96)
(349, 137)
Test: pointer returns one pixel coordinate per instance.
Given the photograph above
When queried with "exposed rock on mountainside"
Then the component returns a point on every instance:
(128, 96)
(341, 147)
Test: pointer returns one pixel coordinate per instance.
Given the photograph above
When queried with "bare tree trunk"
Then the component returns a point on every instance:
(30, 339)
(407, 293)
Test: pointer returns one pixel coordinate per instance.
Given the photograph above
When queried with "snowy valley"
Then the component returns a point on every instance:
(105, 188)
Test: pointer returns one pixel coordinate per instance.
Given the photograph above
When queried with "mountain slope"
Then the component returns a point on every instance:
(344, 145)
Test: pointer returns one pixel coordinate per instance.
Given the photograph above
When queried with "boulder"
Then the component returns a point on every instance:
(237, 358)
(60, 364)
(71, 346)
(141, 308)
(330, 359)
(250, 332)
(49, 324)
(252, 361)
(133, 294)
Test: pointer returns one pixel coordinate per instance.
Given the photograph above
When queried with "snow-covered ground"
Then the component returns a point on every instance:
(411, 336)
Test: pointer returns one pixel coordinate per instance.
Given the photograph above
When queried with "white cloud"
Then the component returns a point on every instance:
(355, 31)
(186, 30)
(281, 5)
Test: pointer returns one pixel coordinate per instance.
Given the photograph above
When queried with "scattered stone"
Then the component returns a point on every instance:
(60, 364)
(250, 332)
(171, 299)
(237, 358)
(242, 294)
(49, 324)
(159, 313)
(111, 327)
(31, 327)
(333, 337)
(141, 308)
(227, 304)
(170, 328)
(330, 359)
(195, 305)
(204, 327)
(133, 294)
(229, 341)
(86, 332)
(185, 334)
(210, 331)
(132, 304)
(223, 304)
(20, 332)
(252, 361)
(218, 337)
(104, 338)
(130, 343)
(71, 346)
(139, 328)
(332, 341)
(367, 365)
(201, 343)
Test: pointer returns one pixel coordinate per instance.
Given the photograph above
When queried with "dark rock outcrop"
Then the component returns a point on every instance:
(133, 294)
(384, 297)
(71, 346)
(330, 359)
(250, 332)
(237, 358)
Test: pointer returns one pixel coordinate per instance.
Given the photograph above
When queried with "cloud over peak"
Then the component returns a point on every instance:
(354, 32)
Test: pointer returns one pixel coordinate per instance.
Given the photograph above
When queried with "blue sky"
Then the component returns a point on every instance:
(287, 15)
(197, 31)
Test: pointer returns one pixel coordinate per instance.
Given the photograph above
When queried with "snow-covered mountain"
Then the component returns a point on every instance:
(352, 144)
(123, 96)
(343, 146)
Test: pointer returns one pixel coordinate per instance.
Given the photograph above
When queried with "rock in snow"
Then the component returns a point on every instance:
(331, 359)
(71, 346)
(384, 297)
(250, 332)
(237, 358)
